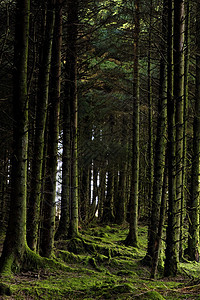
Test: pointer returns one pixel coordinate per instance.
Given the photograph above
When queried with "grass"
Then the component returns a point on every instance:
(99, 266)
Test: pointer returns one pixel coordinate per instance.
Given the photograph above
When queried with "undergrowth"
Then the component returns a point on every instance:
(98, 265)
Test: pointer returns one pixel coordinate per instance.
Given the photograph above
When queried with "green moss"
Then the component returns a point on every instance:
(5, 290)
(151, 295)
(68, 257)
(7, 266)
(33, 261)
(103, 269)
(124, 273)
(123, 288)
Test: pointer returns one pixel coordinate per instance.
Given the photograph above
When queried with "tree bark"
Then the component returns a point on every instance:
(185, 125)
(193, 237)
(48, 224)
(160, 149)
(179, 102)
(41, 114)
(15, 241)
(71, 96)
(171, 253)
(132, 238)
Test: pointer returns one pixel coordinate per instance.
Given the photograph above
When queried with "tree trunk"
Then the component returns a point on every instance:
(121, 200)
(15, 241)
(48, 224)
(171, 237)
(193, 237)
(179, 101)
(41, 113)
(108, 216)
(150, 123)
(71, 95)
(102, 185)
(65, 193)
(132, 238)
(160, 149)
(84, 193)
(185, 126)
(158, 240)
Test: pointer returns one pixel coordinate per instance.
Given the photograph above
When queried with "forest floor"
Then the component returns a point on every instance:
(99, 266)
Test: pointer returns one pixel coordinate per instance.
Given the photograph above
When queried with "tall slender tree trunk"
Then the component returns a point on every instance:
(71, 96)
(120, 200)
(193, 237)
(158, 240)
(185, 124)
(41, 113)
(108, 216)
(160, 149)
(171, 233)
(132, 238)
(48, 224)
(179, 102)
(65, 192)
(150, 119)
(15, 241)
(84, 193)
(102, 185)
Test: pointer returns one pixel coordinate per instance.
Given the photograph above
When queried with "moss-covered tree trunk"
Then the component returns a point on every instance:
(158, 241)
(185, 125)
(15, 241)
(49, 203)
(41, 113)
(132, 238)
(171, 252)
(71, 96)
(179, 103)
(160, 149)
(150, 172)
(193, 237)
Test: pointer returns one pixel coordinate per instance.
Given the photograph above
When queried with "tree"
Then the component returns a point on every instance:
(15, 242)
(41, 115)
(179, 28)
(175, 140)
(49, 202)
(160, 149)
(133, 202)
(193, 237)
(71, 98)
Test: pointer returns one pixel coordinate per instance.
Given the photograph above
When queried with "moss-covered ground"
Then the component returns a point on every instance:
(99, 266)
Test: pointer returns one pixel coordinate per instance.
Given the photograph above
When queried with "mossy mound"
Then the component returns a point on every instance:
(123, 288)
(151, 295)
(5, 290)
(68, 257)
(125, 273)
